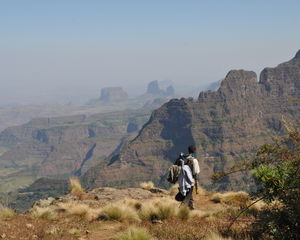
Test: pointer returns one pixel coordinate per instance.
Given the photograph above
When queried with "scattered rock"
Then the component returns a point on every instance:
(29, 226)
(157, 221)
(44, 202)
(3, 235)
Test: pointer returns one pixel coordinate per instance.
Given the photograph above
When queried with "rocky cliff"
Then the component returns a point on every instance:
(226, 125)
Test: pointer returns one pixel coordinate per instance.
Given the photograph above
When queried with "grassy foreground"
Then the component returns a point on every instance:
(79, 216)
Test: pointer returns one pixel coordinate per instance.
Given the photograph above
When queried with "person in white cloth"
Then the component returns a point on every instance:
(186, 183)
(194, 165)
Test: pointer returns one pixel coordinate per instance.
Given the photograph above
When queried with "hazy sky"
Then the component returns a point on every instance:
(53, 47)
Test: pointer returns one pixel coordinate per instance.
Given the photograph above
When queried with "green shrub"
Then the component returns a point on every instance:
(277, 173)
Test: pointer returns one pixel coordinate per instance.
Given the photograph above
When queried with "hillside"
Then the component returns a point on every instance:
(226, 125)
(63, 146)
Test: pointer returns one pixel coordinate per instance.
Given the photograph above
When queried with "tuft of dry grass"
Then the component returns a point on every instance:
(119, 212)
(184, 213)
(78, 209)
(5, 213)
(162, 209)
(152, 209)
(134, 233)
(75, 186)
(44, 213)
(236, 199)
(174, 189)
(147, 185)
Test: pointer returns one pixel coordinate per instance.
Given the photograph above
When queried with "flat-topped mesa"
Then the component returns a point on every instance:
(113, 93)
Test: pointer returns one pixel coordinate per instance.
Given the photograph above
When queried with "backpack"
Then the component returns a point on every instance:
(173, 174)
(190, 163)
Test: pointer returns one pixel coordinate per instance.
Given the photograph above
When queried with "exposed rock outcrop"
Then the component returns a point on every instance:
(154, 89)
(113, 93)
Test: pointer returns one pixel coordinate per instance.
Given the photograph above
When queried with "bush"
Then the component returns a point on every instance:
(277, 173)
(134, 233)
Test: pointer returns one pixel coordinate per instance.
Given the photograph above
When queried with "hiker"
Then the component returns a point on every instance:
(194, 165)
(186, 183)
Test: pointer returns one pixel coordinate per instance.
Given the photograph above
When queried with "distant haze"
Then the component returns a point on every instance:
(66, 51)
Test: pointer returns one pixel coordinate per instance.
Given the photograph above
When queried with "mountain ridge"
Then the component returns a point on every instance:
(226, 125)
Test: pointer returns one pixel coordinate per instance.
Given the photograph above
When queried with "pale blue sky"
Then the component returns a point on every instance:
(76, 47)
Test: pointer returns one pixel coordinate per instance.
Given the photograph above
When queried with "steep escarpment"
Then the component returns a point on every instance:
(226, 125)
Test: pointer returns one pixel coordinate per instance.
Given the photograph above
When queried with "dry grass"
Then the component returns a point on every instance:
(119, 212)
(75, 186)
(52, 230)
(201, 191)
(184, 213)
(5, 213)
(162, 209)
(147, 185)
(134, 233)
(215, 236)
(237, 199)
(174, 189)
(152, 209)
(44, 213)
(78, 209)
(75, 232)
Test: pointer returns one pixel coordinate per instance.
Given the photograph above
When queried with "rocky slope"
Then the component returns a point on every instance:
(226, 125)
(62, 146)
